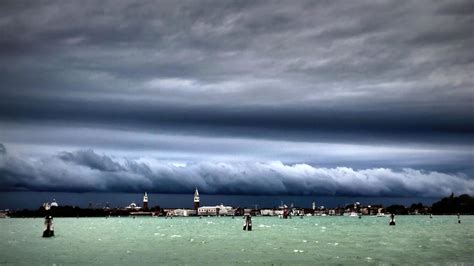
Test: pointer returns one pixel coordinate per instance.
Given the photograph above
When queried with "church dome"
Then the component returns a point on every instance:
(54, 203)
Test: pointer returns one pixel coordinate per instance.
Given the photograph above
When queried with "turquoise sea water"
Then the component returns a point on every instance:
(221, 241)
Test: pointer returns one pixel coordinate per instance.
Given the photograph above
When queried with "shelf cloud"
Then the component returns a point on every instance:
(87, 171)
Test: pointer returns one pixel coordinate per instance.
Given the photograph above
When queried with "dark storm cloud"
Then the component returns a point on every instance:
(3, 150)
(379, 59)
(92, 160)
(465, 8)
(85, 171)
(340, 72)
(281, 122)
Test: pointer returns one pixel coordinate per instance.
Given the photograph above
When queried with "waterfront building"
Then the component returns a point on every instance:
(225, 210)
(132, 207)
(183, 212)
(297, 212)
(216, 210)
(239, 211)
(207, 210)
(267, 212)
(253, 212)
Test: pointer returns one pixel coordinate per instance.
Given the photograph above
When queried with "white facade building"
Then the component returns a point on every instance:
(216, 210)
(133, 207)
(54, 203)
(183, 212)
(267, 212)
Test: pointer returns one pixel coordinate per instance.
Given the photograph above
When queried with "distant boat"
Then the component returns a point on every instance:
(380, 214)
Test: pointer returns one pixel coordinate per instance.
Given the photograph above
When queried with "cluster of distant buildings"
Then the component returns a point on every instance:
(198, 210)
(281, 211)
(284, 211)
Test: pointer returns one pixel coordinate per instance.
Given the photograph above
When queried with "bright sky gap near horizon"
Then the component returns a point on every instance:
(343, 98)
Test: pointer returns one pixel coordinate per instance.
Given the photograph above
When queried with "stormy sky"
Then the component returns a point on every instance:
(344, 98)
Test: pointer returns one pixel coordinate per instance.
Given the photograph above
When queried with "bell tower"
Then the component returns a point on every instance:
(196, 200)
(145, 201)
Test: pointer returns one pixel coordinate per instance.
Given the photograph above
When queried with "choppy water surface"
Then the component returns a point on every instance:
(220, 240)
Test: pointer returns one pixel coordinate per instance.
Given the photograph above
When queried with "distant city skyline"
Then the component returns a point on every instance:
(33, 200)
(296, 98)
